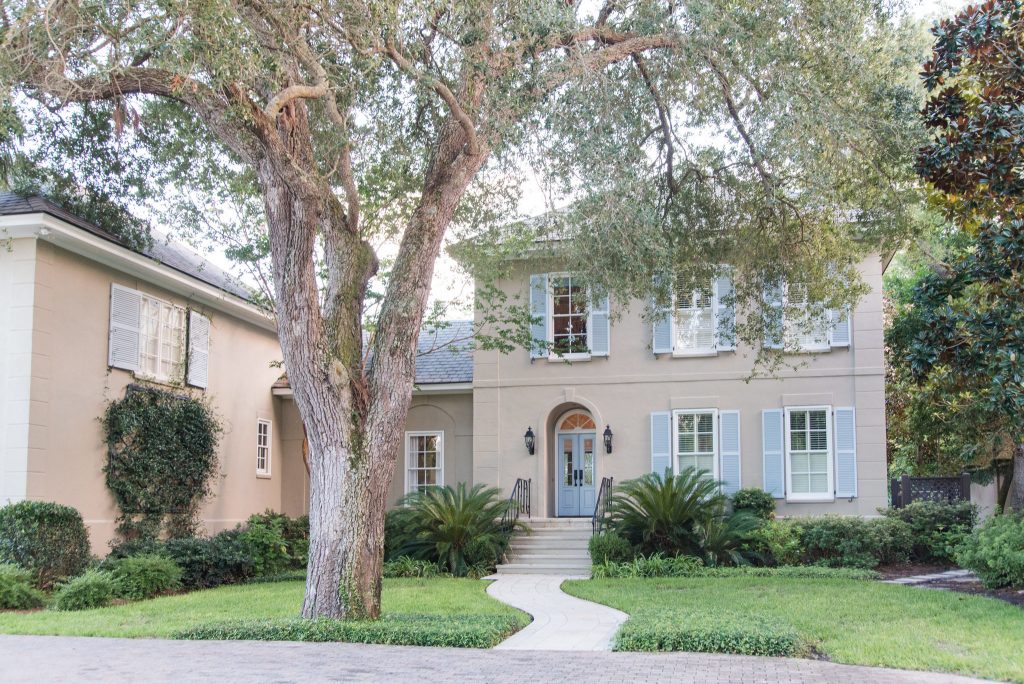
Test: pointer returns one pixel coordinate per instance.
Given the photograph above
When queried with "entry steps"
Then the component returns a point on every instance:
(553, 546)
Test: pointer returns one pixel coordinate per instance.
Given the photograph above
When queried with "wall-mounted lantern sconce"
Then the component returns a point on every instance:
(608, 439)
(530, 439)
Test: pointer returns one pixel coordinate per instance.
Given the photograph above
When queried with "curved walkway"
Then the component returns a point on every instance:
(83, 659)
(560, 622)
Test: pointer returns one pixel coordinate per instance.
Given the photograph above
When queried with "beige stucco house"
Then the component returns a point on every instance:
(82, 317)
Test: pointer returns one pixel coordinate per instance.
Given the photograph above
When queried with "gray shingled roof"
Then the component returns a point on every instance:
(445, 354)
(172, 254)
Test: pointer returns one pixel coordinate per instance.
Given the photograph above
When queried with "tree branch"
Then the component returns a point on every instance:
(292, 92)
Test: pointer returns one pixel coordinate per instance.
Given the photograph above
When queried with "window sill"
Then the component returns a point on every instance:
(699, 353)
(829, 499)
(156, 380)
(264, 476)
(569, 358)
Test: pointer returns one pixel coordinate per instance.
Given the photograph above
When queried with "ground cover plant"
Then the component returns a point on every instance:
(436, 611)
(844, 620)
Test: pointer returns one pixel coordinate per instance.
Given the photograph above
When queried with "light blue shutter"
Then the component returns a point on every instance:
(839, 335)
(661, 337)
(661, 442)
(539, 312)
(773, 448)
(729, 450)
(600, 333)
(125, 328)
(846, 452)
(773, 325)
(725, 337)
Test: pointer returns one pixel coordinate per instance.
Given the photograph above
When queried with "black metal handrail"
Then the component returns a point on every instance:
(602, 507)
(519, 503)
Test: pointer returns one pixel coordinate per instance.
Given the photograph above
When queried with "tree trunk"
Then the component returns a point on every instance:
(1015, 498)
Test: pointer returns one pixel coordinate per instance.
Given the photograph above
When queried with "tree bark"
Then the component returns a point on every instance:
(1015, 498)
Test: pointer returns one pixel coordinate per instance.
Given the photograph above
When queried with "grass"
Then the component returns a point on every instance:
(405, 601)
(846, 621)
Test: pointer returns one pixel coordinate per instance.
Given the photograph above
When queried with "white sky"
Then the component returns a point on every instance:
(451, 283)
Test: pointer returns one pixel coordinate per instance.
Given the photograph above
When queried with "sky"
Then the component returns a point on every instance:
(451, 283)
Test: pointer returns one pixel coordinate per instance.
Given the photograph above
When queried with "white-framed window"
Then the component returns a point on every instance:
(424, 460)
(696, 441)
(695, 321)
(263, 432)
(161, 340)
(809, 458)
(569, 318)
(806, 328)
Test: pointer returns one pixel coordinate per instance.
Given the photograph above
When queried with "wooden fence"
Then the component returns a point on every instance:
(907, 489)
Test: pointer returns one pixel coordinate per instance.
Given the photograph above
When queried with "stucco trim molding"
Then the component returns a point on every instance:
(78, 241)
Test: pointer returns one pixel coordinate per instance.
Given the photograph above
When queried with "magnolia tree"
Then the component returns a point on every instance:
(677, 136)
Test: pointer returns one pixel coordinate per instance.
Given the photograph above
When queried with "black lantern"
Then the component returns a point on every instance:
(530, 439)
(608, 439)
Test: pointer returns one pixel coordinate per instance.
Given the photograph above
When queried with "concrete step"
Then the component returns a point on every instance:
(558, 531)
(582, 569)
(544, 558)
(550, 549)
(557, 522)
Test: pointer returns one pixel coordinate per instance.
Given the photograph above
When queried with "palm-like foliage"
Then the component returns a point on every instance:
(723, 538)
(662, 513)
(456, 527)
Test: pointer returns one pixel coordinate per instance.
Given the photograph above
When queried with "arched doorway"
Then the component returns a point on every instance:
(575, 464)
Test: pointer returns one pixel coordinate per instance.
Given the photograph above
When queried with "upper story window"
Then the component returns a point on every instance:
(695, 321)
(263, 448)
(700, 321)
(807, 329)
(162, 340)
(795, 322)
(569, 316)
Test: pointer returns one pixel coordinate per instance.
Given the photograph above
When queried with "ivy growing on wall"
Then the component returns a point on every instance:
(161, 457)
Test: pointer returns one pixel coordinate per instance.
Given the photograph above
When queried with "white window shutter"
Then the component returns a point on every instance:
(774, 313)
(125, 324)
(198, 350)
(729, 450)
(846, 452)
(839, 331)
(539, 312)
(773, 452)
(600, 326)
(725, 329)
(661, 442)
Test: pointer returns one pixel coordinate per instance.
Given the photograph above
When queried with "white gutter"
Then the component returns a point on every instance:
(82, 242)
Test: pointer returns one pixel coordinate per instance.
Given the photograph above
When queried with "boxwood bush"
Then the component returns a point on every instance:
(16, 589)
(276, 542)
(47, 539)
(710, 632)
(92, 589)
(756, 501)
(610, 547)
(145, 576)
(835, 541)
(208, 562)
(938, 528)
(475, 631)
(995, 552)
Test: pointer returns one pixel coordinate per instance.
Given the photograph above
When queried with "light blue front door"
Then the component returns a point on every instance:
(576, 491)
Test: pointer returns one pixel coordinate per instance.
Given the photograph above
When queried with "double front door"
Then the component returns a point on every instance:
(576, 491)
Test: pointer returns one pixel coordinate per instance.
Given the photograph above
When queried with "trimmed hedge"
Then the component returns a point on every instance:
(689, 566)
(755, 501)
(995, 552)
(937, 528)
(47, 539)
(208, 562)
(477, 631)
(610, 547)
(710, 632)
(835, 541)
(16, 589)
(91, 589)
(145, 576)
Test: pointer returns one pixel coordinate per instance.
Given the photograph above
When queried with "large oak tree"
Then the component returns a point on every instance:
(773, 136)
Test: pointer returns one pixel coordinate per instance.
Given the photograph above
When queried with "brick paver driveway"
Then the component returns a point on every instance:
(76, 659)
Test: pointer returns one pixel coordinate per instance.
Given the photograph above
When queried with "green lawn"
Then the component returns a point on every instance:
(846, 621)
(169, 615)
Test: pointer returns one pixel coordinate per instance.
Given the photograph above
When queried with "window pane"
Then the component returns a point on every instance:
(818, 420)
(706, 463)
(819, 441)
(801, 484)
(704, 422)
(798, 420)
(686, 422)
(819, 483)
(705, 443)
(686, 444)
(798, 441)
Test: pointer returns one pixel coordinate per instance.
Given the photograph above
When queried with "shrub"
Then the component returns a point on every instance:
(145, 576)
(688, 566)
(755, 501)
(290, 576)
(207, 562)
(406, 566)
(655, 565)
(92, 589)
(455, 527)
(724, 539)
(276, 542)
(710, 632)
(938, 528)
(609, 547)
(995, 551)
(16, 589)
(659, 514)
(47, 539)
(399, 529)
(135, 547)
(777, 542)
(468, 631)
(854, 542)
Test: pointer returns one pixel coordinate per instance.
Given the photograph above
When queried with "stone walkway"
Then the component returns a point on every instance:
(78, 659)
(947, 576)
(560, 622)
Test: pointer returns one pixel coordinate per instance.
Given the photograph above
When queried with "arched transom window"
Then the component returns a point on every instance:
(577, 421)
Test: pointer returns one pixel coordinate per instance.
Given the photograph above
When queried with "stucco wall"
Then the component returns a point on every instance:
(72, 384)
(512, 393)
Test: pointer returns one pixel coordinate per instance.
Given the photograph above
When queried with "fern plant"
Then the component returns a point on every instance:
(456, 527)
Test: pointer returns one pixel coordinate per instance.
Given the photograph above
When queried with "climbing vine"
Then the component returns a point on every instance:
(161, 456)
